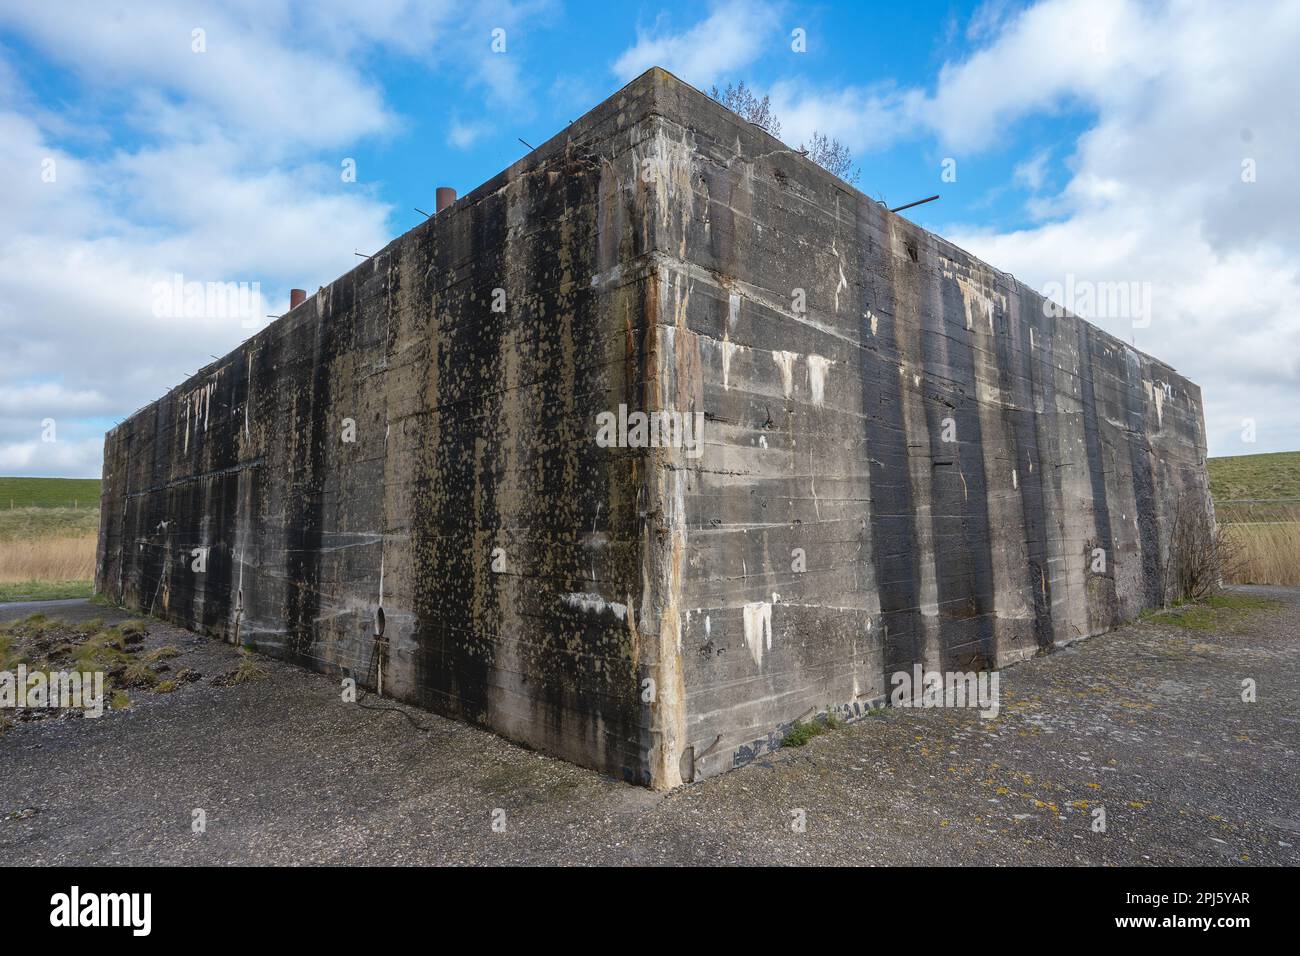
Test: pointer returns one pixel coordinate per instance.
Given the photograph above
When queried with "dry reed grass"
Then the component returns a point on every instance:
(1268, 536)
(47, 559)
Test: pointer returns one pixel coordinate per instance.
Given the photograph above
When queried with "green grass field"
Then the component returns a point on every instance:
(50, 525)
(49, 493)
(25, 524)
(45, 590)
(1257, 500)
(33, 508)
(1255, 476)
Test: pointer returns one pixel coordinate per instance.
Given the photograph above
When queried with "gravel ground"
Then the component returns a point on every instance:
(1146, 722)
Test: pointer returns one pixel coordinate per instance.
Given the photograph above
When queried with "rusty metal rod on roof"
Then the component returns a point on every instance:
(917, 203)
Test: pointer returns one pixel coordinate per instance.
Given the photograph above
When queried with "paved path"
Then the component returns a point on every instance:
(1146, 722)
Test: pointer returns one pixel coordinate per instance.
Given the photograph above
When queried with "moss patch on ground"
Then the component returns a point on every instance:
(801, 733)
(1212, 613)
(45, 590)
(48, 644)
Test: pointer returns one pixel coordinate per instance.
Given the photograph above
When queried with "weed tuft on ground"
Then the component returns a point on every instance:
(249, 670)
(801, 733)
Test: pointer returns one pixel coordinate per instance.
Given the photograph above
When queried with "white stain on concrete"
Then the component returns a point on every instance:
(728, 349)
(758, 629)
(595, 604)
(785, 362)
(978, 302)
(843, 283)
(817, 366)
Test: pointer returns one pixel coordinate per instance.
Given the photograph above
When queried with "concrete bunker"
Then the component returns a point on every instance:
(905, 460)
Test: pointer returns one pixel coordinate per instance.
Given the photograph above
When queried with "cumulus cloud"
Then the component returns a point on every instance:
(463, 134)
(1031, 172)
(210, 157)
(864, 118)
(227, 62)
(60, 458)
(82, 255)
(729, 38)
(1160, 192)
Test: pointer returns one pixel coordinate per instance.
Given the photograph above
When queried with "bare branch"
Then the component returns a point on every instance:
(833, 156)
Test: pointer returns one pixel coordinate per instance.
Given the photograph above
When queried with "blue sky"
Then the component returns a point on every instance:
(1105, 140)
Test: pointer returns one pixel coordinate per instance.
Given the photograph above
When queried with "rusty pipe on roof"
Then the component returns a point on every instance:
(445, 197)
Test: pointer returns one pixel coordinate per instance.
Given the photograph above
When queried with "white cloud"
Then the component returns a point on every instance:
(1049, 56)
(65, 288)
(731, 37)
(863, 118)
(220, 166)
(246, 74)
(65, 459)
(1157, 194)
(1033, 171)
(463, 134)
(1095, 51)
(225, 184)
(51, 399)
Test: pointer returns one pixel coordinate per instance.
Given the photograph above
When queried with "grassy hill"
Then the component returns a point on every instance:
(1255, 476)
(49, 493)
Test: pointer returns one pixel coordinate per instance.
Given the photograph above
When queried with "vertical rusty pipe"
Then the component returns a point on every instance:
(446, 196)
(297, 297)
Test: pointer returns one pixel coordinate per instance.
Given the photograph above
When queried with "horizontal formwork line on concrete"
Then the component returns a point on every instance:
(776, 500)
(761, 714)
(756, 402)
(733, 527)
(763, 592)
(738, 604)
(261, 539)
(707, 609)
(769, 299)
(760, 584)
(983, 361)
(770, 674)
(1007, 413)
(848, 221)
(490, 398)
(259, 546)
(344, 600)
(307, 362)
(408, 646)
(501, 687)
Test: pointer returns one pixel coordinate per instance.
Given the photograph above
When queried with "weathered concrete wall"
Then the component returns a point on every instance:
(641, 610)
(831, 536)
(473, 505)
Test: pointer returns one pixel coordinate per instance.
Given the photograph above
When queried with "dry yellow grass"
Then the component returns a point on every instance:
(1269, 538)
(47, 559)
